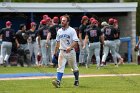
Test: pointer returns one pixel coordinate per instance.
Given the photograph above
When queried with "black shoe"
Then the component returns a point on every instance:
(76, 83)
(56, 83)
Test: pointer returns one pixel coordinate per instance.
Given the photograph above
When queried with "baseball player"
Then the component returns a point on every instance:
(94, 35)
(45, 45)
(66, 40)
(117, 41)
(53, 32)
(23, 50)
(32, 33)
(82, 33)
(109, 44)
(7, 35)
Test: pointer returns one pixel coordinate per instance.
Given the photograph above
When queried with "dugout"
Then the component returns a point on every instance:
(26, 12)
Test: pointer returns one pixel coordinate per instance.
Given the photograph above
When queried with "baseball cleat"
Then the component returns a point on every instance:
(56, 83)
(76, 83)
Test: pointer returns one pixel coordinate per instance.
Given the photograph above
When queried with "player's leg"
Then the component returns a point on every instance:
(53, 42)
(43, 51)
(3, 51)
(60, 70)
(73, 64)
(97, 54)
(90, 54)
(8, 51)
(27, 55)
(105, 53)
(81, 55)
(30, 47)
(113, 51)
(48, 57)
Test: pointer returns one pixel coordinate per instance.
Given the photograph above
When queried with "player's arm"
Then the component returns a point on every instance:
(80, 37)
(85, 41)
(38, 39)
(56, 47)
(48, 37)
(102, 39)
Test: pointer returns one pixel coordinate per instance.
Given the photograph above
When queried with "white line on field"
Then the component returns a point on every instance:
(69, 76)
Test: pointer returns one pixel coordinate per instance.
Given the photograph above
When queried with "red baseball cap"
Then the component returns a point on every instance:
(44, 22)
(61, 17)
(94, 21)
(8, 23)
(55, 19)
(48, 19)
(111, 21)
(33, 24)
(84, 17)
(115, 21)
(45, 16)
(91, 19)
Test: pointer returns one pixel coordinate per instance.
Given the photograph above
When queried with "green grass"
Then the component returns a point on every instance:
(118, 84)
(110, 69)
(87, 85)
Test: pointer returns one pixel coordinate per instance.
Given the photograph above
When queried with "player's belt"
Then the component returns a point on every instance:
(64, 50)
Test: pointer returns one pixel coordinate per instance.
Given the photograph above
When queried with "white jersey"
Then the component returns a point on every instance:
(66, 37)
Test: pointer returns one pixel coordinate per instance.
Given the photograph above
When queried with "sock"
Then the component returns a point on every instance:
(76, 74)
(59, 76)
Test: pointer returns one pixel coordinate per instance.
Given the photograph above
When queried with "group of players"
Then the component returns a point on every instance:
(92, 37)
(36, 45)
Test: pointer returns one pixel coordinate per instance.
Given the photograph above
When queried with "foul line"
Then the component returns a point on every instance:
(69, 76)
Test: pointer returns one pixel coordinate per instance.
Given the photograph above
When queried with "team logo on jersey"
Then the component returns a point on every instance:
(64, 36)
(93, 33)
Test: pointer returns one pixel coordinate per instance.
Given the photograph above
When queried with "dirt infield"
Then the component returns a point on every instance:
(70, 76)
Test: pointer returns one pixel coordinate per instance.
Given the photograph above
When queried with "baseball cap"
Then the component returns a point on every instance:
(43, 22)
(94, 21)
(111, 21)
(115, 21)
(55, 19)
(33, 24)
(84, 17)
(104, 23)
(45, 16)
(8, 23)
(91, 19)
(61, 17)
(48, 19)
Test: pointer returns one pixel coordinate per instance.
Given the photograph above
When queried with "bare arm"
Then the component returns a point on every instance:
(85, 41)
(56, 47)
(102, 39)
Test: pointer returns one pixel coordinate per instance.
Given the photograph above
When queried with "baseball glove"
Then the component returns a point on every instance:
(136, 48)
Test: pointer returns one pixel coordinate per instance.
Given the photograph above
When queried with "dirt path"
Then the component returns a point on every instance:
(70, 76)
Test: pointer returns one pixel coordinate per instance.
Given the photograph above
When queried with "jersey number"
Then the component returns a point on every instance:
(108, 31)
(7, 33)
(68, 42)
(93, 33)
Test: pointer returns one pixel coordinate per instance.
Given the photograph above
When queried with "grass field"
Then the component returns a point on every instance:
(118, 84)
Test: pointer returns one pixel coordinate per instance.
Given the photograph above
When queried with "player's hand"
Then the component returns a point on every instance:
(47, 45)
(83, 47)
(68, 49)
